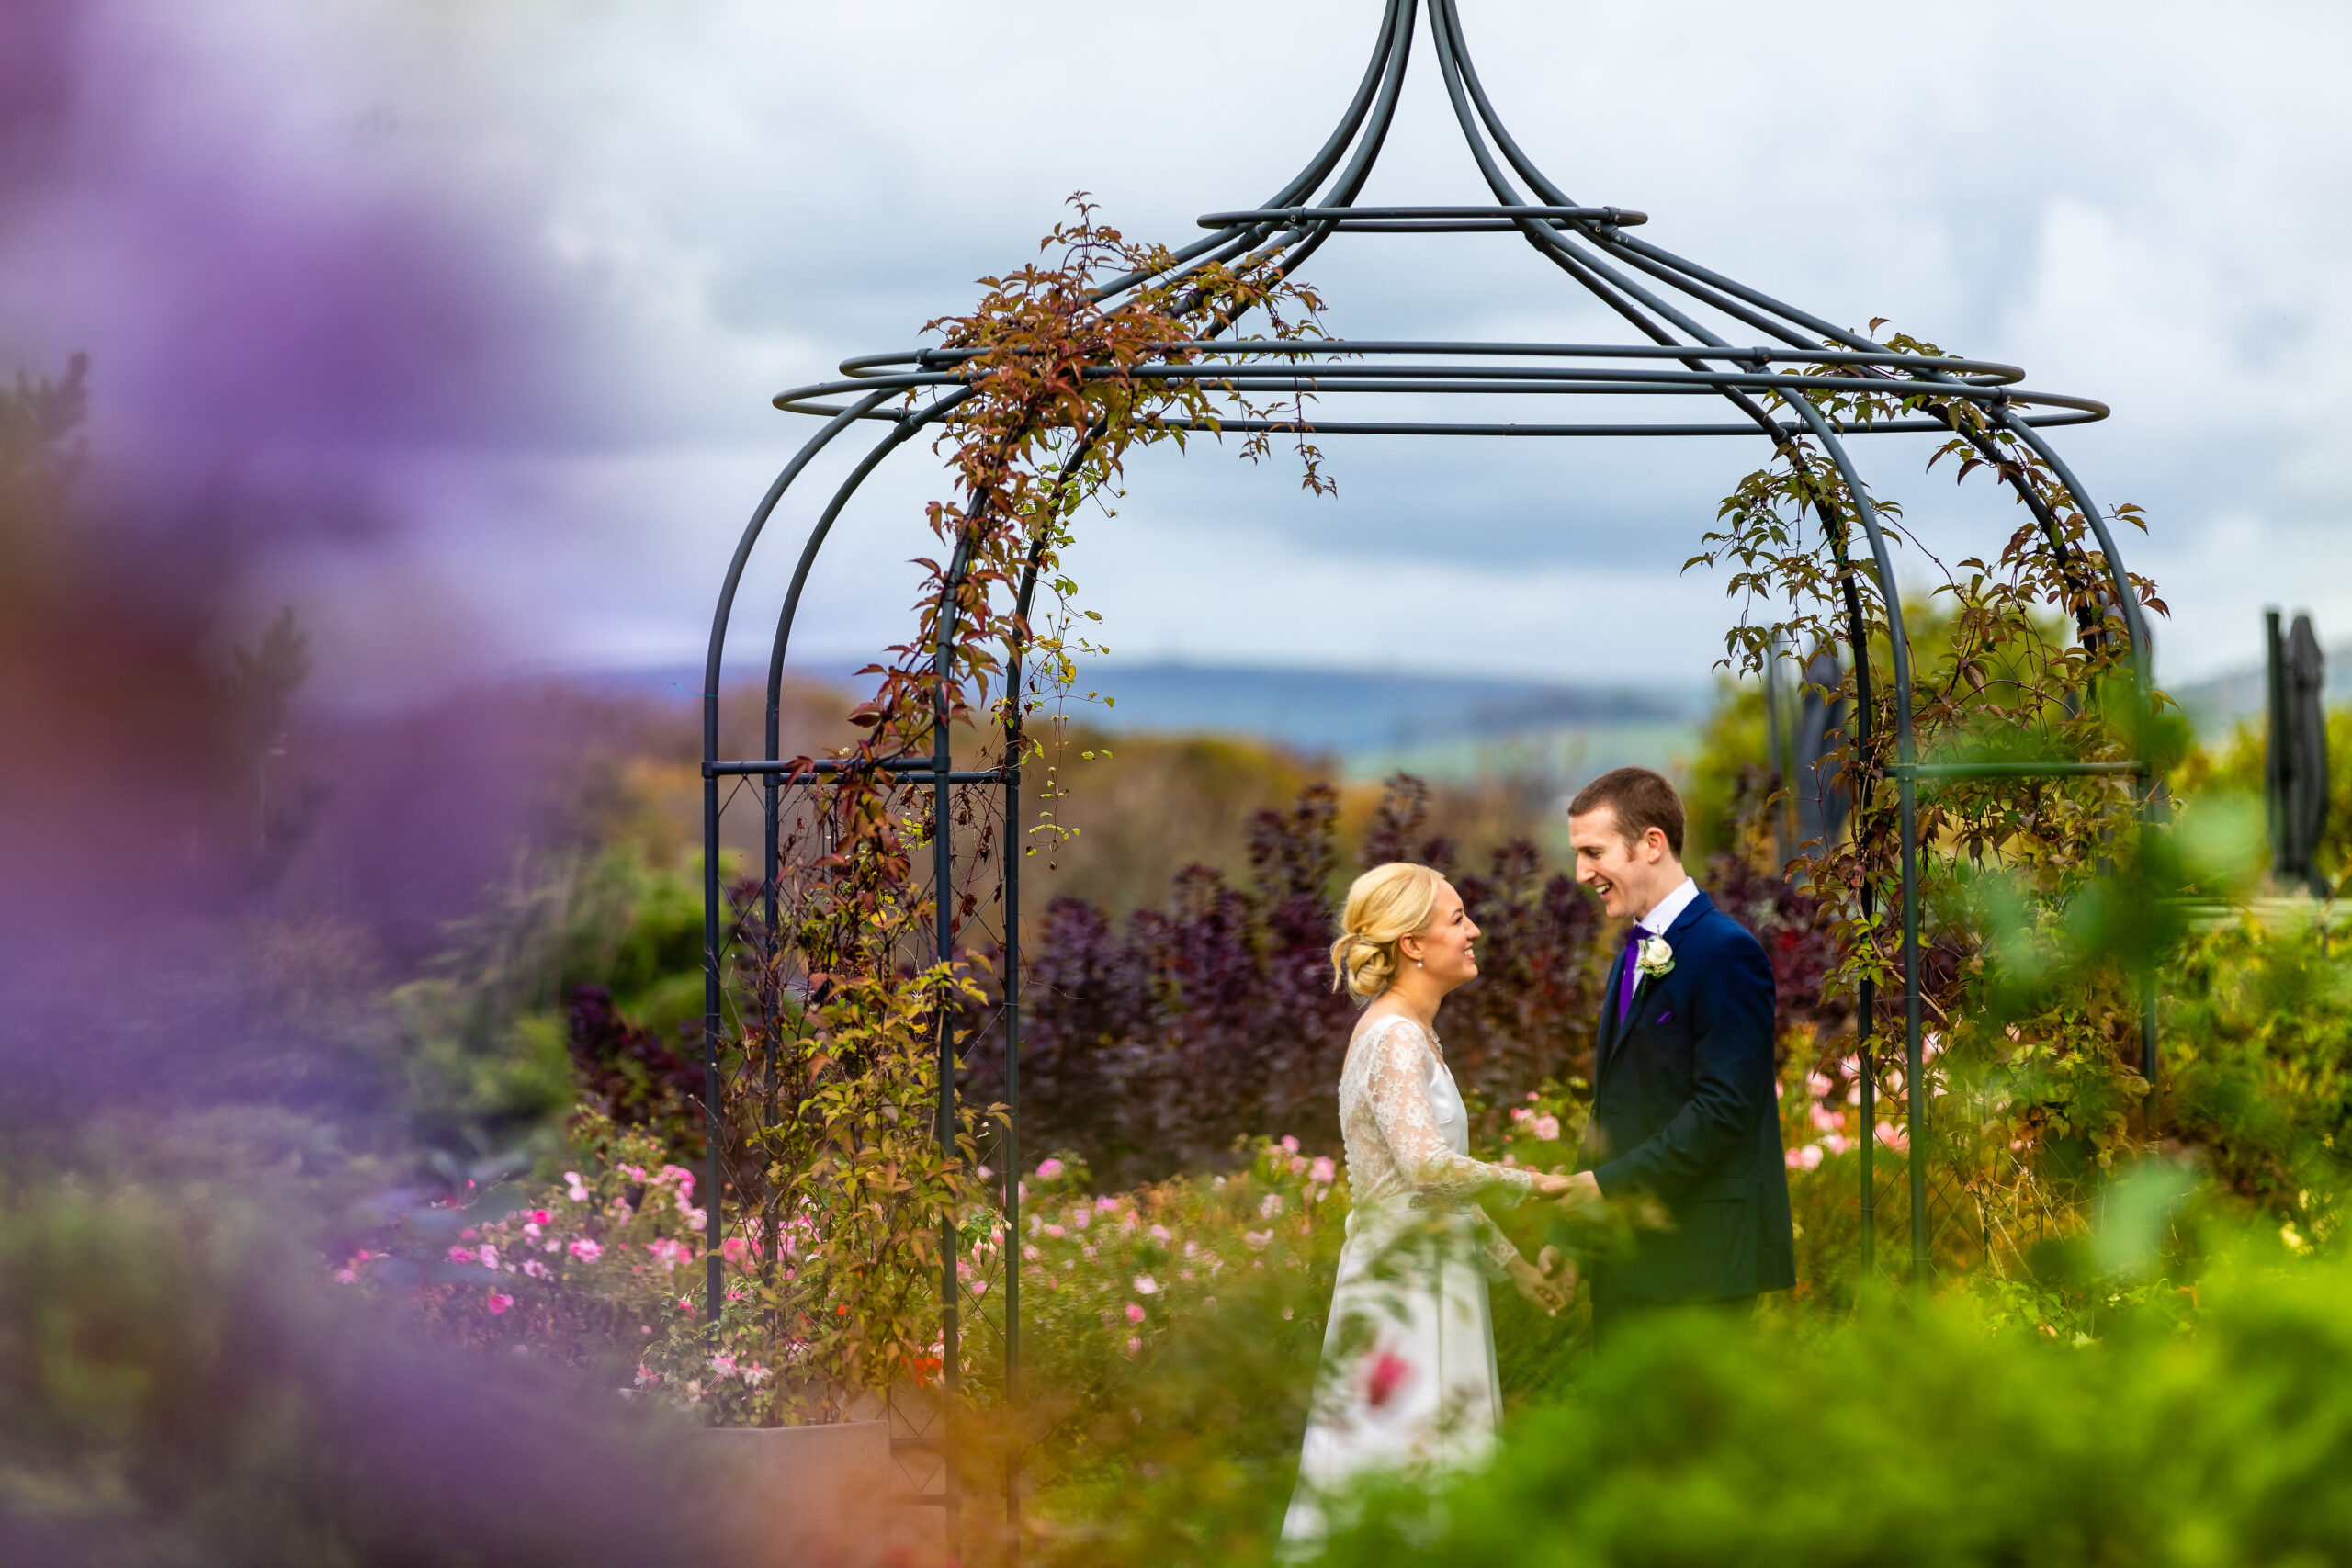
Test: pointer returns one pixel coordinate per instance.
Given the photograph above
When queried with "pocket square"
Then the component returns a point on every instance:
(1666, 1017)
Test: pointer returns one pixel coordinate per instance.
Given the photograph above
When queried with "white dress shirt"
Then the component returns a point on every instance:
(1668, 909)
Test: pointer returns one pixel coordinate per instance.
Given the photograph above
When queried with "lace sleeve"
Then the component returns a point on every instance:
(1397, 1087)
(1499, 1251)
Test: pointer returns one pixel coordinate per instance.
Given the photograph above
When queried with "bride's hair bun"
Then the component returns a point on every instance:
(1385, 905)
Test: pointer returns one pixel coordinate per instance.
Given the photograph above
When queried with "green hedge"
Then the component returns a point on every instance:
(1928, 1435)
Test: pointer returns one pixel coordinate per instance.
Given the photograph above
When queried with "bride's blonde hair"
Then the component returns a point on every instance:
(1385, 905)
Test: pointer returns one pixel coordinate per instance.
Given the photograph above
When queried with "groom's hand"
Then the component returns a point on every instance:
(1579, 1192)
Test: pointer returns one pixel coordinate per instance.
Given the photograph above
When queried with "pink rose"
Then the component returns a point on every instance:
(498, 1302)
(1547, 1127)
(461, 1254)
(540, 1216)
(1324, 1170)
(734, 1248)
(1290, 1144)
(1048, 1168)
(587, 1249)
(1135, 1312)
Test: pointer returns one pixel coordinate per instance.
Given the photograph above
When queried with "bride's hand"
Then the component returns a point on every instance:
(1536, 1284)
(1551, 1185)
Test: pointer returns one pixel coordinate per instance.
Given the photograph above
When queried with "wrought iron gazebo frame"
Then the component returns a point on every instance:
(1596, 248)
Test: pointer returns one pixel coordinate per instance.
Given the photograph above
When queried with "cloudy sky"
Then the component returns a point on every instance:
(465, 318)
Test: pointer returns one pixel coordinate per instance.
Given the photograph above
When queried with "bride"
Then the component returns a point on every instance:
(1408, 1380)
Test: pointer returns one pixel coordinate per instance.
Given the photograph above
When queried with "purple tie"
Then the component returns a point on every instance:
(1634, 935)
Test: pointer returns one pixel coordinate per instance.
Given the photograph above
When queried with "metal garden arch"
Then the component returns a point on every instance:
(1667, 300)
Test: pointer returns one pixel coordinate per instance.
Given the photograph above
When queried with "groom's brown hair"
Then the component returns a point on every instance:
(1642, 800)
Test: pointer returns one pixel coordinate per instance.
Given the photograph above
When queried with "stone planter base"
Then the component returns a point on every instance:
(826, 1496)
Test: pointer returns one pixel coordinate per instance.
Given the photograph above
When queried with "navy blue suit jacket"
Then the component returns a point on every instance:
(1684, 1109)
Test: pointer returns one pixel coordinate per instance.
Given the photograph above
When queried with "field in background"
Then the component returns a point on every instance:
(1183, 756)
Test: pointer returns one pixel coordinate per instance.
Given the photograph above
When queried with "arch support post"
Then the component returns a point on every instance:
(1866, 992)
(2136, 627)
(1908, 825)
(943, 870)
(715, 1157)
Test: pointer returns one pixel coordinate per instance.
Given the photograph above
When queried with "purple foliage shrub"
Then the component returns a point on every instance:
(1158, 1043)
(627, 1072)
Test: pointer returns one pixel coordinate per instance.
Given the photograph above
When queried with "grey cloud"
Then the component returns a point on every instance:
(680, 210)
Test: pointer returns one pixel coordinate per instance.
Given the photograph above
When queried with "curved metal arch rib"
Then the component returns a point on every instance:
(714, 993)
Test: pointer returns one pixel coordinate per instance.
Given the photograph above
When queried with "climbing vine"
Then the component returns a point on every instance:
(2035, 891)
(846, 1172)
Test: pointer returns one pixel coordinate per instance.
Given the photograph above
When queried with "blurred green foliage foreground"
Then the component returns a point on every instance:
(179, 1386)
(2211, 1425)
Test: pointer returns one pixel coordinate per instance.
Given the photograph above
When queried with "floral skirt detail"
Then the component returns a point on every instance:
(1407, 1381)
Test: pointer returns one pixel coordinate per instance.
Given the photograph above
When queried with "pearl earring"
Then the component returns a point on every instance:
(1416, 963)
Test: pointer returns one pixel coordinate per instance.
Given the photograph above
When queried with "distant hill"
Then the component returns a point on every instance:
(1368, 722)
(2218, 702)
(1353, 711)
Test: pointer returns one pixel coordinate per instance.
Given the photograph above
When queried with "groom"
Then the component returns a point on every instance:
(1683, 1103)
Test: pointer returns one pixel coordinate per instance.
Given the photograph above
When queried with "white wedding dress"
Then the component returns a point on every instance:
(1408, 1380)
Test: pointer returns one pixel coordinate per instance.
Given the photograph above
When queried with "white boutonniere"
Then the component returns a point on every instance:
(1656, 958)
